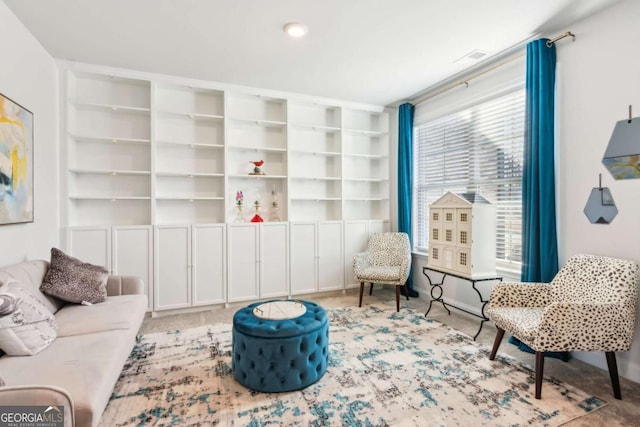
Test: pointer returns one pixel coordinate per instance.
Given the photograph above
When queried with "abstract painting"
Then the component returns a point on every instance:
(16, 163)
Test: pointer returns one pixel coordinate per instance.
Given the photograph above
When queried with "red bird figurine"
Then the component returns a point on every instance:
(256, 169)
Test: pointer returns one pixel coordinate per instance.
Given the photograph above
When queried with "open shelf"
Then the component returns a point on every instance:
(192, 116)
(108, 140)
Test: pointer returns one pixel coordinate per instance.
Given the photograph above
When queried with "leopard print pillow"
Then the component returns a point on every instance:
(75, 281)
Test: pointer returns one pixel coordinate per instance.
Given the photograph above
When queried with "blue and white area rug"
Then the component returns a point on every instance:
(385, 369)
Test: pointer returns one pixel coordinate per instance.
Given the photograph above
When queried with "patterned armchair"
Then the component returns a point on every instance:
(387, 261)
(590, 305)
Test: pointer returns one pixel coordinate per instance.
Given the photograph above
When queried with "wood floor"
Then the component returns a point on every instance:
(625, 412)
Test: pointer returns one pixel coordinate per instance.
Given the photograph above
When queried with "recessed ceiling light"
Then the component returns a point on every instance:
(295, 29)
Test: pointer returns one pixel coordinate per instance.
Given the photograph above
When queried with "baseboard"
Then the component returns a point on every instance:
(628, 369)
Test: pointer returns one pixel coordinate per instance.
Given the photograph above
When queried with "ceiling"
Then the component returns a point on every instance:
(371, 51)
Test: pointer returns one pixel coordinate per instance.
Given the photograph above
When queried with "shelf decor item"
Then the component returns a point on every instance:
(462, 237)
(16, 163)
(256, 167)
(257, 217)
(239, 201)
(622, 157)
(273, 214)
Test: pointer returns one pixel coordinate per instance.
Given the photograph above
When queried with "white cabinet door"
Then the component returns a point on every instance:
(91, 244)
(172, 270)
(303, 257)
(330, 258)
(132, 255)
(356, 237)
(208, 269)
(274, 259)
(242, 262)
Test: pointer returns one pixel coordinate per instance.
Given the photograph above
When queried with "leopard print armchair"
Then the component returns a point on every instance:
(590, 305)
(387, 261)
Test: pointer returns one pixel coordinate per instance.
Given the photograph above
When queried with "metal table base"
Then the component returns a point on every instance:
(436, 289)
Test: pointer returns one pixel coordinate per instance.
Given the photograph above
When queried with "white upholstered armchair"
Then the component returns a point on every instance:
(590, 305)
(387, 261)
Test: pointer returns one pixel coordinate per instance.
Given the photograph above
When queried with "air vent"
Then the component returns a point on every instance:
(474, 55)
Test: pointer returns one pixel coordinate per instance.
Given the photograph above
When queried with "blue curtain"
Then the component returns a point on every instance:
(539, 243)
(405, 175)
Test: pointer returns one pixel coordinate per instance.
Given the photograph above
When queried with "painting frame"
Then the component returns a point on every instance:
(16, 163)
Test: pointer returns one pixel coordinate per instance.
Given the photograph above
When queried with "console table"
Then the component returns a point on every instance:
(438, 286)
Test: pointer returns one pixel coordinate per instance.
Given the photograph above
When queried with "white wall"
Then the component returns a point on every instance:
(598, 77)
(28, 76)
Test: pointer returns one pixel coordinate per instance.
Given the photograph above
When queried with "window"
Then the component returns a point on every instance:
(479, 148)
(463, 258)
(434, 253)
(448, 235)
(434, 234)
(463, 237)
(463, 217)
(449, 217)
(436, 216)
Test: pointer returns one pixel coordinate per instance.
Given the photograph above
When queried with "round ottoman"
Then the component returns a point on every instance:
(275, 355)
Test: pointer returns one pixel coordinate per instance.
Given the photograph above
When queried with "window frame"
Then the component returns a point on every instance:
(510, 268)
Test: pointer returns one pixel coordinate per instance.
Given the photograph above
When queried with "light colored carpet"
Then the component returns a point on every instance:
(385, 368)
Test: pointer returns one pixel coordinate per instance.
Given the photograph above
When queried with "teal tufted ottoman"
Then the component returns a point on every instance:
(271, 353)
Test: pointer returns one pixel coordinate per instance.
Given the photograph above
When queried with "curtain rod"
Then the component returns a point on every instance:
(500, 64)
(560, 37)
(465, 81)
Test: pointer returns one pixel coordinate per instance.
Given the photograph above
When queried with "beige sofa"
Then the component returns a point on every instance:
(80, 368)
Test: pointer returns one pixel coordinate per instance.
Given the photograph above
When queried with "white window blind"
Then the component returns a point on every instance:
(476, 149)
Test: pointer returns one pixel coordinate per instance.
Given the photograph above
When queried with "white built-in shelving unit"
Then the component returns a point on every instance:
(189, 168)
(152, 164)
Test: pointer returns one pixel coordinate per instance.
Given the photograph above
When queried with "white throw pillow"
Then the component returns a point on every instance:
(26, 326)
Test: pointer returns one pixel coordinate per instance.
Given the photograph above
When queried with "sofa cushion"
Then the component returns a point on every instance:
(31, 274)
(87, 366)
(120, 312)
(26, 326)
(72, 280)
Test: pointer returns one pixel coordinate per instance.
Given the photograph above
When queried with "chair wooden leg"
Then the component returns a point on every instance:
(406, 291)
(371, 289)
(496, 343)
(361, 291)
(613, 373)
(539, 372)
(398, 298)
